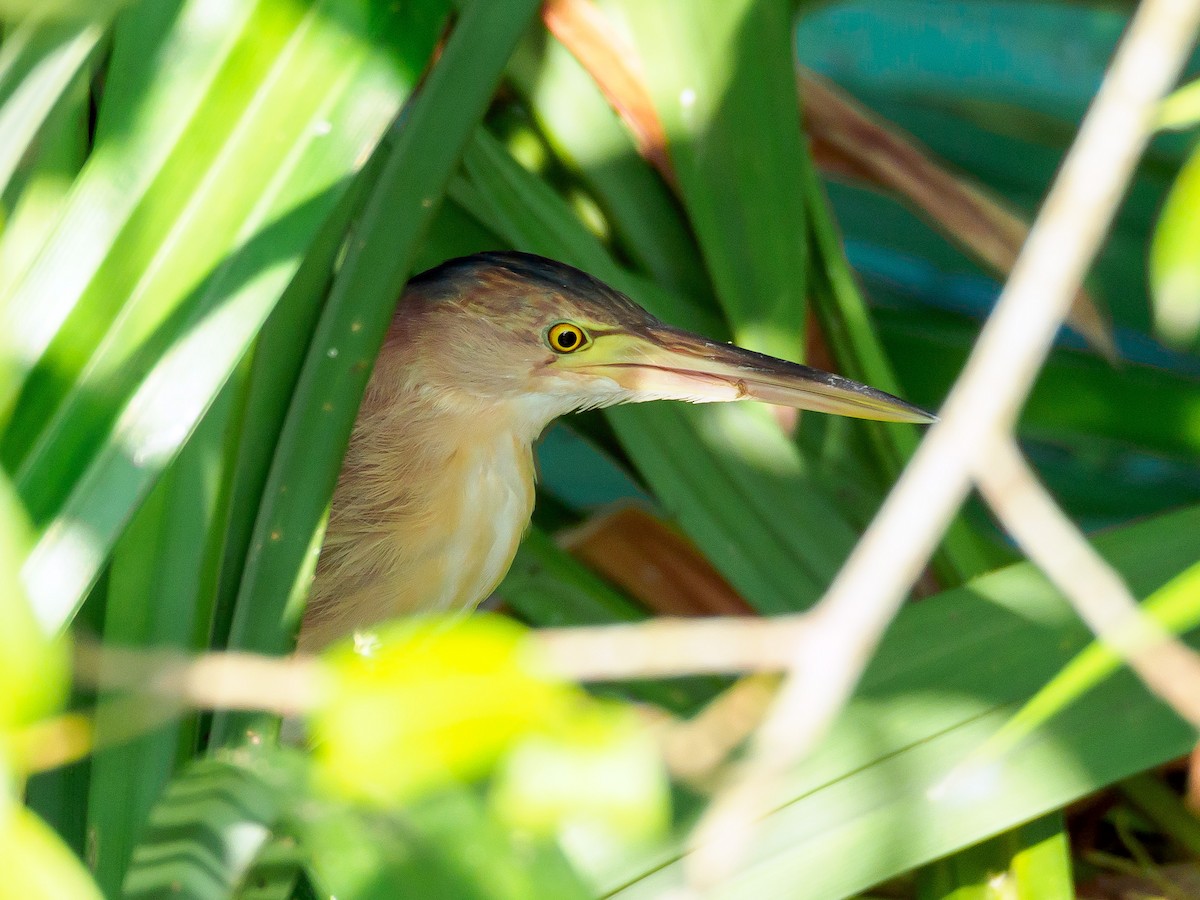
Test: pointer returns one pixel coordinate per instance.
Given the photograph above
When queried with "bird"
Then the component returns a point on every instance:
(482, 354)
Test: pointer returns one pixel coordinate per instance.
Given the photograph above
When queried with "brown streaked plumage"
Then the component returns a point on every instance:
(483, 353)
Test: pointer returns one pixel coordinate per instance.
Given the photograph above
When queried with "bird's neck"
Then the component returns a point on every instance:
(432, 499)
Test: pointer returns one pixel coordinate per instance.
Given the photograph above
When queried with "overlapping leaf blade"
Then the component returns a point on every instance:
(205, 832)
(412, 179)
(720, 73)
(330, 91)
(888, 791)
(38, 64)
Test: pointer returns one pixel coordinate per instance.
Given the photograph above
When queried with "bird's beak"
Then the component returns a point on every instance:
(670, 364)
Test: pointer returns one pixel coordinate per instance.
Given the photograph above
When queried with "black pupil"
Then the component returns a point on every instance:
(567, 339)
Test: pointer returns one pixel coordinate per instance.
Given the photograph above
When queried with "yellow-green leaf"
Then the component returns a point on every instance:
(600, 785)
(1175, 260)
(33, 669)
(36, 863)
(427, 701)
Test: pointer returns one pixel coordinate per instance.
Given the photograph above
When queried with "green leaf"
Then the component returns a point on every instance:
(33, 669)
(164, 61)
(1175, 606)
(721, 75)
(39, 61)
(1141, 405)
(306, 113)
(850, 329)
(947, 677)
(35, 861)
(1175, 260)
(159, 594)
(1181, 108)
(587, 135)
(1148, 793)
(1032, 862)
(446, 846)
(417, 167)
(601, 789)
(426, 702)
(40, 188)
(19, 10)
(205, 832)
(271, 377)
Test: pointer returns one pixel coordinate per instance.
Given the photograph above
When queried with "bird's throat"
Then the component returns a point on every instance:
(426, 517)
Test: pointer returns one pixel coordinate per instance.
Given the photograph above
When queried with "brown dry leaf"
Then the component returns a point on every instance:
(654, 564)
(850, 140)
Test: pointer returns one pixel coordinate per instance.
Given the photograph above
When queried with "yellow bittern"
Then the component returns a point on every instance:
(482, 354)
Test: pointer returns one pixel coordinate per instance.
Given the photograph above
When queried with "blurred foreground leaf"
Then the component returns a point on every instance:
(600, 788)
(205, 832)
(1175, 260)
(425, 702)
(33, 667)
(36, 863)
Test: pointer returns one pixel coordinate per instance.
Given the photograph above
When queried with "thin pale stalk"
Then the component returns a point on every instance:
(982, 406)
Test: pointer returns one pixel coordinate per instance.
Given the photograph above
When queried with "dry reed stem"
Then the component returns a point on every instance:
(1096, 590)
(981, 408)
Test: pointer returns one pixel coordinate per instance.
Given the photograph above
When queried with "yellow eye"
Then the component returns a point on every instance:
(566, 338)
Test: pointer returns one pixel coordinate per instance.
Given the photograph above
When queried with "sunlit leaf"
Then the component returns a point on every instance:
(1180, 109)
(447, 846)
(1175, 260)
(66, 10)
(33, 667)
(600, 787)
(38, 64)
(186, 325)
(36, 863)
(419, 704)
(1175, 606)
(947, 677)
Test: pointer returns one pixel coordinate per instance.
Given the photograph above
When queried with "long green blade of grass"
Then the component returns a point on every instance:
(412, 181)
(332, 90)
(159, 594)
(721, 75)
(39, 62)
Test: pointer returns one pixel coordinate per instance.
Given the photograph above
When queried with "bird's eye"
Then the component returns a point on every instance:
(566, 338)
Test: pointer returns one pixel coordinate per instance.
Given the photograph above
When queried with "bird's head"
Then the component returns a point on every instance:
(513, 328)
